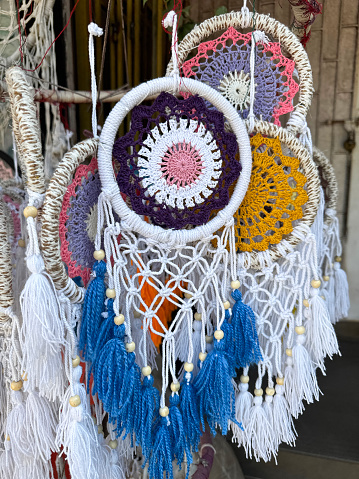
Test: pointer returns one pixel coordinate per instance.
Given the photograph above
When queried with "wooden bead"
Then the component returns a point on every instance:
(113, 444)
(315, 283)
(118, 320)
(235, 284)
(164, 411)
(258, 392)
(202, 356)
(146, 370)
(75, 400)
(306, 303)
(130, 347)
(136, 314)
(188, 367)
(16, 385)
(8, 437)
(24, 376)
(270, 391)
(111, 293)
(244, 379)
(338, 259)
(188, 295)
(219, 334)
(226, 304)
(326, 278)
(99, 254)
(288, 352)
(300, 329)
(21, 243)
(30, 211)
(209, 339)
(100, 428)
(76, 361)
(280, 381)
(175, 387)
(198, 316)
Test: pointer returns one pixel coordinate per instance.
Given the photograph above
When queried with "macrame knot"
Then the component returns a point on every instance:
(8, 312)
(246, 16)
(260, 37)
(35, 264)
(95, 30)
(36, 199)
(330, 212)
(168, 21)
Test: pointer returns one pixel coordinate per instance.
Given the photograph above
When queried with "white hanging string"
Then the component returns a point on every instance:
(171, 21)
(94, 30)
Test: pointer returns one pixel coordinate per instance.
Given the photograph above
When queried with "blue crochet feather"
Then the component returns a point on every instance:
(94, 306)
(215, 392)
(189, 410)
(247, 349)
(180, 445)
(161, 457)
(147, 415)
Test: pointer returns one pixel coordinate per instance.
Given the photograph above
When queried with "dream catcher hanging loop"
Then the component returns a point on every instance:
(111, 189)
(235, 85)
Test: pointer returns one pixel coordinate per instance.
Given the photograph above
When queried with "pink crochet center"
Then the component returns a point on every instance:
(74, 269)
(273, 50)
(181, 165)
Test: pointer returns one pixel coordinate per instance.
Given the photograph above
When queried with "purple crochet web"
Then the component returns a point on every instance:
(81, 246)
(144, 119)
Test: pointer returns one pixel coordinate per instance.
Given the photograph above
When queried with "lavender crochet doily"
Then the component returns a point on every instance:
(177, 162)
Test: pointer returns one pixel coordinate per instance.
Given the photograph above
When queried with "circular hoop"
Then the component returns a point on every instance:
(51, 217)
(328, 180)
(269, 26)
(258, 260)
(110, 187)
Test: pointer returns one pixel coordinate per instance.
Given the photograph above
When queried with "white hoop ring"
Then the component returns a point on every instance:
(108, 180)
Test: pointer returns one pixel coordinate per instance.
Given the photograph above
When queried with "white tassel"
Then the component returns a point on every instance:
(40, 426)
(295, 403)
(317, 227)
(244, 400)
(137, 338)
(260, 439)
(282, 419)
(321, 337)
(341, 292)
(42, 333)
(78, 435)
(182, 339)
(196, 344)
(329, 294)
(305, 379)
(7, 463)
(16, 430)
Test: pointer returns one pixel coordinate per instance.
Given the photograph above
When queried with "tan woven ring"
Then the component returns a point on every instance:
(51, 215)
(256, 259)
(270, 26)
(327, 173)
(6, 292)
(26, 129)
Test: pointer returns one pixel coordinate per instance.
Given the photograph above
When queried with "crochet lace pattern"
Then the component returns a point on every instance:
(274, 198)
(177, 162)
(224, 64)
(78, 221)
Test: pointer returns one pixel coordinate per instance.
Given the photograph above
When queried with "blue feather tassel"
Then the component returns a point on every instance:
(161, 457)
(147, 415)
(189, 410)
(247, 348)
(94, 306)
(180, 445)
(215, 390)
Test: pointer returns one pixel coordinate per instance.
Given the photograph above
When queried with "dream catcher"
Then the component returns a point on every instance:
(335, 285)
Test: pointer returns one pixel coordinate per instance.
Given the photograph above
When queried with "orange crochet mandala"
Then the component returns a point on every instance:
(274, 198)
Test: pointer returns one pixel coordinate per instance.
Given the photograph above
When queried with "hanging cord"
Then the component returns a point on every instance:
(14, 149)
(170, 20)
(104, 47)
(94, 30)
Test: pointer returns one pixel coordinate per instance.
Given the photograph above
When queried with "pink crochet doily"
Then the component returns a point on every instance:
(224, 64)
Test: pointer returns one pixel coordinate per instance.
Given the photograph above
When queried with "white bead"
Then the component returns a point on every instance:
(244, 379)
(175, 387)
(270, 391)
(300, 329)
(111, 293)
(288, 352)
(76, 361)
(258, 392)
(146, 370)
(118, 320)
(188, 367)
(226, 304)
(130, 347)
(235, 284)
(315, 283)
(280, 381)
(99, 254)
(30, 211)
(164, 411)
(198, 316)
(219, 334)
(306, 303)
(202, 356)
(113, 444)
(188, 295)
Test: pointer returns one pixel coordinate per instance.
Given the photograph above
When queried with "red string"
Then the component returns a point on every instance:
(47, 51)
(90, 10)
(177, 7)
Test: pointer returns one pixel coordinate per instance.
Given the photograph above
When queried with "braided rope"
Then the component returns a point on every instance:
(6, 292)
(259, 260)
(26, 129)
(51, 215)
(271, 27)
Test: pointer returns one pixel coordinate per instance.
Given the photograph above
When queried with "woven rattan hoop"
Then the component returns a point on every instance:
(270, 26)
(26, 129)
(6, 291)
(258, 260)
(56, 190)
(327, 175)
